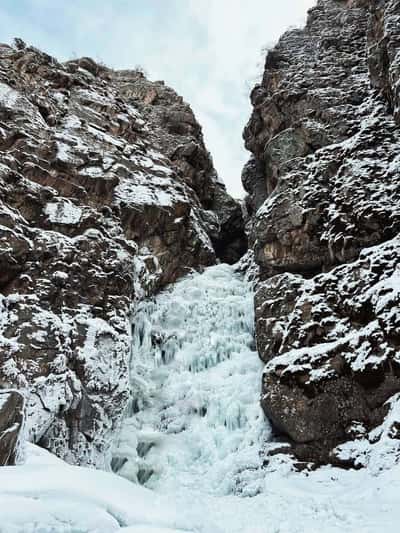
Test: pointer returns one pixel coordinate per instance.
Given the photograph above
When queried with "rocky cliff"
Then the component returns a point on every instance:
(107, 194)
(324, 194)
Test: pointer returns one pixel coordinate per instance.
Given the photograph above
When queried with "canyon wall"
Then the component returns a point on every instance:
(107, 194)
(323, 189)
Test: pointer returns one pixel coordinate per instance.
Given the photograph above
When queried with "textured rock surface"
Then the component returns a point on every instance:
(384, 51)
(107, 193)
(325, 178)
(11, 426)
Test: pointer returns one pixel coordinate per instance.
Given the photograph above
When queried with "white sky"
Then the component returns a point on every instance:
(209, 51)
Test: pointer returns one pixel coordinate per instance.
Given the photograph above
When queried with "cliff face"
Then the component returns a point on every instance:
(324, 193)
(107, 194)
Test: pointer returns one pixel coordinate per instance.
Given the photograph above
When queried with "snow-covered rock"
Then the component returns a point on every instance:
(324, 191)
(330, 347)
(106, 195)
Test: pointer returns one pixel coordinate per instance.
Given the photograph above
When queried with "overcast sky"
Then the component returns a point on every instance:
(207, 50)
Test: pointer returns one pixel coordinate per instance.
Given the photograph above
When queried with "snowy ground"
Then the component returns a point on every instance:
(56, 498)
(193, 436)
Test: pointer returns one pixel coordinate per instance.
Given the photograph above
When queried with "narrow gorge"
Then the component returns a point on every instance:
(175, 360)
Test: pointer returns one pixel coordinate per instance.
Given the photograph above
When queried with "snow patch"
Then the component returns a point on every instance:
(63, 212)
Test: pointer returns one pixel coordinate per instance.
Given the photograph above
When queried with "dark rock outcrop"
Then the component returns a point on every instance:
(107, 193)
(11, 426)
(325, 143)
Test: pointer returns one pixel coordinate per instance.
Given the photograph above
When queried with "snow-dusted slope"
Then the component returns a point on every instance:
(58, 498)
(48, 496)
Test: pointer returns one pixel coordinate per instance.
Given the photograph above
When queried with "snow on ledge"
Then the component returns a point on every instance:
(63, 212)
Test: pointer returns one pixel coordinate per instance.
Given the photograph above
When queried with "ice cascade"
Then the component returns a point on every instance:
(195, 422)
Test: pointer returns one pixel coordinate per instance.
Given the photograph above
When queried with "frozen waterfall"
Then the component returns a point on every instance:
(195, 421)
(193, 434)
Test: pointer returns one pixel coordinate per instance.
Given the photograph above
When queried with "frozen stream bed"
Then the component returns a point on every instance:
(189, 447)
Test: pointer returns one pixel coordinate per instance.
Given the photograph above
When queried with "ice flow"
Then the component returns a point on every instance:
(195, 421)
